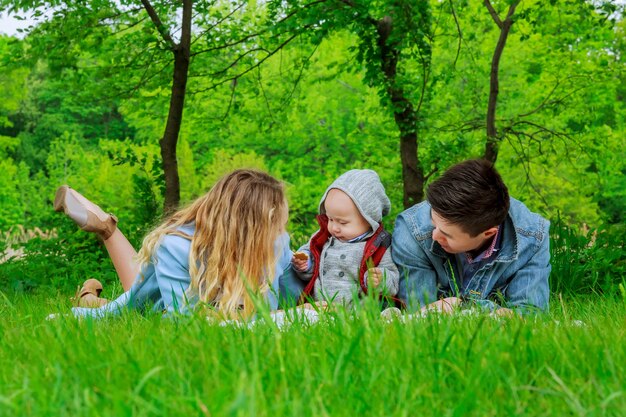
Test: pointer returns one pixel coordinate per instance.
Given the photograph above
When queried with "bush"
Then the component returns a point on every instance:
(594, 262)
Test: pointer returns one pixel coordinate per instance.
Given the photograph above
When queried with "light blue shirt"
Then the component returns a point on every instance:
(163, 283)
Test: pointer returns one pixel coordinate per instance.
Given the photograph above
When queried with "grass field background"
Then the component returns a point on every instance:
(571, 361)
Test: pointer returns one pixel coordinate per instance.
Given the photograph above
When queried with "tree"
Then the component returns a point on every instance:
(395, 51)
(557, 89)
(72, 23)
(181, 51)
(491, 146)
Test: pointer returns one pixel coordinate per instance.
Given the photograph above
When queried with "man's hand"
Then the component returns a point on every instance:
(504, 312)
(445, 305)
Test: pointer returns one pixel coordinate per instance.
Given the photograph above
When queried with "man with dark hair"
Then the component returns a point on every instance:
(470, 243)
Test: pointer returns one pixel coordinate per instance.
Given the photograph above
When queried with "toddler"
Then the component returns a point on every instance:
(350, 253)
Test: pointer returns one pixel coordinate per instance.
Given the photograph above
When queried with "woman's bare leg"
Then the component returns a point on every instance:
(122, 255)
(90, 217)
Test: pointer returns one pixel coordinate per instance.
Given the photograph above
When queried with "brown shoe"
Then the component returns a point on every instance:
(89, 295)
(85, 214)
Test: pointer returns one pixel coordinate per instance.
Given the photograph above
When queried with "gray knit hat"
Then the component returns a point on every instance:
(363, 186)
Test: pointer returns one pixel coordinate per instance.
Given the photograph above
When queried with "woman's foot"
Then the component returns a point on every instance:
(86, 214)
(89, 295)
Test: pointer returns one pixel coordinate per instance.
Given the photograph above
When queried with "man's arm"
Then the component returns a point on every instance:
(418, 279)
(529, 288)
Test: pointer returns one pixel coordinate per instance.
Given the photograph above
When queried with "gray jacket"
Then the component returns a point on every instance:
(339, 262)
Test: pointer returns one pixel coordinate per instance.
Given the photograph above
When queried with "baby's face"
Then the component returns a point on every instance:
(345, 222)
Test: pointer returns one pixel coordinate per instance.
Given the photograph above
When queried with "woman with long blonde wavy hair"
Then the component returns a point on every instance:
(221, 251)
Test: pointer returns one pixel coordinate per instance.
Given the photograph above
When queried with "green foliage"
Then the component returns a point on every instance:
(12, 209)
(58, 263)
(12, 80)
(147, 177)
(594, 262)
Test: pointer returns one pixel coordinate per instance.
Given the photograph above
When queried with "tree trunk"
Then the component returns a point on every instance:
(169, 140)
(412, 173)
(404, 115)
(493, 140)
(172, 129)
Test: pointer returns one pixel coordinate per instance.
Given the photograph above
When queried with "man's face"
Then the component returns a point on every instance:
(453, 239)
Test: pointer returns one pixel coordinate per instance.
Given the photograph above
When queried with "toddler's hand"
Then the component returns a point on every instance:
(374, 277)
(300, 261)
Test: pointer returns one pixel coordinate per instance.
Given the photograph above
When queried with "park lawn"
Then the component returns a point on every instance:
(569, 362)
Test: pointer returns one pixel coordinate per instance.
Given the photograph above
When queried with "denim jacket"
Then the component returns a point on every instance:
(518, 273)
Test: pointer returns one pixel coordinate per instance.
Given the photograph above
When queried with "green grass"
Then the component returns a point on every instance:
(439, 366)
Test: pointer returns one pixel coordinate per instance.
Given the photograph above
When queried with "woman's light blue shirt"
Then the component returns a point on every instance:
(163, 283)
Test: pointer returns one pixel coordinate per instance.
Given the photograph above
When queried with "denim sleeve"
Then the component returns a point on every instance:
(417, 286)
(171, 267)
(529, 288)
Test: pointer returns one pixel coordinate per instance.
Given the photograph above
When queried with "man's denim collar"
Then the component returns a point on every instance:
(508, 248)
